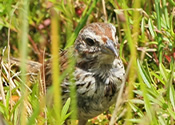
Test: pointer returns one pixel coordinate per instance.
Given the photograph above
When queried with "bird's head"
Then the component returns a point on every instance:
(97, 41)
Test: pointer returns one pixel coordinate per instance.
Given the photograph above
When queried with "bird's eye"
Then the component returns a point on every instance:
(89, 41)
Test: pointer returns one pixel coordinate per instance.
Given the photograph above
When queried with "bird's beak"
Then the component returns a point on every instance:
(111, 47)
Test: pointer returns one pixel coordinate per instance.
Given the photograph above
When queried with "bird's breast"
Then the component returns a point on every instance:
(95, 93)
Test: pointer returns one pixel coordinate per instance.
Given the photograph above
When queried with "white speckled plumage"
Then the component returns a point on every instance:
(99, 72)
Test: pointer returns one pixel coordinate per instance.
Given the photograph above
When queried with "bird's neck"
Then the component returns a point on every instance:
(94, 66)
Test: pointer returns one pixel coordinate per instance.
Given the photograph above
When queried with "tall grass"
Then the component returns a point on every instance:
(55, 64)
(23, 34)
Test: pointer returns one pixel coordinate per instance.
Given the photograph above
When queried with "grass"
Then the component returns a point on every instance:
(147, 48)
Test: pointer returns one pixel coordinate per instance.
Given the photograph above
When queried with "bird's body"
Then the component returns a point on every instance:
(97, 90)
(98, 72)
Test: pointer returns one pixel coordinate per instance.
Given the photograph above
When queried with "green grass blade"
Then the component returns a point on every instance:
(143, 74)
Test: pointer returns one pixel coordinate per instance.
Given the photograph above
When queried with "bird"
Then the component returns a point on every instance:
(98, 73)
